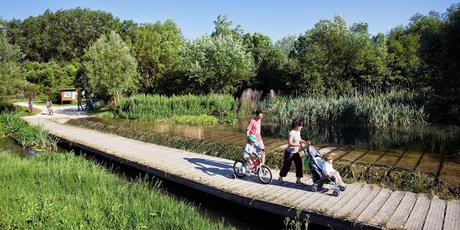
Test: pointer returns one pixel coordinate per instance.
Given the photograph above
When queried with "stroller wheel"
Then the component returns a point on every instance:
(342, 188)
(335, 193)
(313, 188)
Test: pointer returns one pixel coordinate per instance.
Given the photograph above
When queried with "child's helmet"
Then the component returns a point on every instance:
(252, 138)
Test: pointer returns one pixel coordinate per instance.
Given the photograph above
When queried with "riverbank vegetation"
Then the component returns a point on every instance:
(12, 125)
(151, 107)
(110, 58)
(61, 190)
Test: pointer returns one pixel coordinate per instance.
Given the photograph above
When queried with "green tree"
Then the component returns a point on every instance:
(108, 69)
(338, 59)
(269, 62)
(11, 78)
(47, 79)
(286, 44)
(222, 28)
(60, 35)
(156, 47)
(213, 64)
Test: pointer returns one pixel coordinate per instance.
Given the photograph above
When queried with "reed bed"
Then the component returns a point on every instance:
(150, 107)
(63, 191)
(385, 110)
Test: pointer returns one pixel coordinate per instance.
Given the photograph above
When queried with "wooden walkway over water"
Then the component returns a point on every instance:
(360, 206)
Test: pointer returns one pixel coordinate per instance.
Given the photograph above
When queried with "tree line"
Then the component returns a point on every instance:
(109, 58)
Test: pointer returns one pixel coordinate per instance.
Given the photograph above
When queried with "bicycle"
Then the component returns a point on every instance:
(263, 172)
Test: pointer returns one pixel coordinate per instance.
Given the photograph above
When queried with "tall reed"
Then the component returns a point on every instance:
(385, 110)
(156, 106)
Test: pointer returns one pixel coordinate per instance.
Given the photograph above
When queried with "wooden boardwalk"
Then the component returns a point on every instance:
(360, 206)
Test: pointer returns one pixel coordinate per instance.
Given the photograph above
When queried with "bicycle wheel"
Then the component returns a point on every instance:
(265, 174)
(239, 169)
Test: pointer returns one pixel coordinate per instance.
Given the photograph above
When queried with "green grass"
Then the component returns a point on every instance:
(62, 191)
(12, 125)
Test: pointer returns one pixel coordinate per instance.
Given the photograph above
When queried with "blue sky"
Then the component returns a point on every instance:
(273, 18)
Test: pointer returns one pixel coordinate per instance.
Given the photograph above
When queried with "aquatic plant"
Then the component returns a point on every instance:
(384, 110)
(150, 107)
(203, 119)
(24, 133)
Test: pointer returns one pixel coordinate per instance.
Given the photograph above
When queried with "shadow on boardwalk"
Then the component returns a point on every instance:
(211, 168)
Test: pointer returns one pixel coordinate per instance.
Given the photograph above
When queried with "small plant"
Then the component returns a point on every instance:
(297, 223)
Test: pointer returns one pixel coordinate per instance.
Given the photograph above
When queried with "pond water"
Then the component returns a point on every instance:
(436, 140)
(9, 145)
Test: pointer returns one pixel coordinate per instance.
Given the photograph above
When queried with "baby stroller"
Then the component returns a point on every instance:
(314, 165)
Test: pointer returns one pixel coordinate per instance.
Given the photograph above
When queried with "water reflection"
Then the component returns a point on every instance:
(440, 140)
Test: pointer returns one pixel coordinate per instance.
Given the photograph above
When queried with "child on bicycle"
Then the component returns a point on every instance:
(250, 149)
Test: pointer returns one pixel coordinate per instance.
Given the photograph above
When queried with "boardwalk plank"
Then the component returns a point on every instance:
(435, 216)
(403, 210)
(452, 219)
(371, 208)
(346, 210)
(418, 214)
(387, 210)
(353, 189)
(343, 198)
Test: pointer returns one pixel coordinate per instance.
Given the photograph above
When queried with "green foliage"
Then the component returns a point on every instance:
(11, 74)
(6, 106)
(269, 62)
(286, 44)
(336, 59)
(108, 69)
(12, 79)
(27, 135)
(47, 79)
(62, 191)
(156, 47)
(203, 119)
(385, 110)
(212, 65)
(61, 35)
(222, 28)
(158, 107)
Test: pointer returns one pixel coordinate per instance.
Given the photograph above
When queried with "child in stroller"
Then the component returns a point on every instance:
(321, 173)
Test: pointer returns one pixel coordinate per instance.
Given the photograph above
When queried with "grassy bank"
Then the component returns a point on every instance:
(12, 125)
(62, 191)
(153, 107)
(395, 178)
(386, 110)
